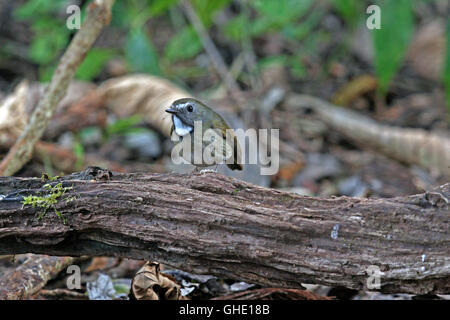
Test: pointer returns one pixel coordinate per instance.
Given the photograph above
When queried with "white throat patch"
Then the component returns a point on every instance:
(180, 128)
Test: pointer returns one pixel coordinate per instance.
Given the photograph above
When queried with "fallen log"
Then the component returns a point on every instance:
(211, 224)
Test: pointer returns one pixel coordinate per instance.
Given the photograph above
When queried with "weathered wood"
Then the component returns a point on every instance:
(208, 223)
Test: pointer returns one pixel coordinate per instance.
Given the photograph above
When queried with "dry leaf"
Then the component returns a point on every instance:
(290, 170)
(354, 89)
(102, 263)
(427, 50)
(80, 109)
(150, 284)
(145, 95)
(13, 115)
(16, 109)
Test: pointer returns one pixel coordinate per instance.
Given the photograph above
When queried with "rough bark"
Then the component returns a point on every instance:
(208, 223)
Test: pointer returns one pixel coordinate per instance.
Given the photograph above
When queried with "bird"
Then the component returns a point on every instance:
(186, 114)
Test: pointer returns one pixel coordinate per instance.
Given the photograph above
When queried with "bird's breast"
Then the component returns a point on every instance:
(181, 129)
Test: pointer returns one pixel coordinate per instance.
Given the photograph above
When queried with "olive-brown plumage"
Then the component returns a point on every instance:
(185, 112)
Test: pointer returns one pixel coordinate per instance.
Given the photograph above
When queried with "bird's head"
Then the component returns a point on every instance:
(186, 111)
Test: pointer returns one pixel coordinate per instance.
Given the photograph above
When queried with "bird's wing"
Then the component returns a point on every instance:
(229, 135)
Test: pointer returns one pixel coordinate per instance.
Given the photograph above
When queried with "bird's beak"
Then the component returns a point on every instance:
(172, 111)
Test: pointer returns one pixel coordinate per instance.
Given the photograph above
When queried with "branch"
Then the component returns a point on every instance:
(212, 52)
(98, 15)
(209, 223)
(412, 146)
(31, 276)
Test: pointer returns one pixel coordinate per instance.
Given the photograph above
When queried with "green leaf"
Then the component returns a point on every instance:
(274, 15)
(261, 25)
(124, 125)
(206, 9)
(392, 40)
(305, 27)
(158, 7)
(41, 51)
(119, 14)
(46, 72)
(184, 45)
(140, 53)
(78, 150)
(182, 72)
(350, 10)
(270, 61)
(49, 41)
(233, 28)
(35, 9)
(93, 63)
(296, 67)
(293, 63)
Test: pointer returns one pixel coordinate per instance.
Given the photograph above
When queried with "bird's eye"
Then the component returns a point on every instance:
(190, 108)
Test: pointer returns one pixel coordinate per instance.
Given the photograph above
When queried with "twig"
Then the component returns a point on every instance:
(212, 52)
(249, 52)
(412, 146)
(98, 15)
(63, 294)
(31, 276)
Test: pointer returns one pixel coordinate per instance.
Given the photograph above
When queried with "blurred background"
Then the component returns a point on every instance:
(388, 92)
(397, 75)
